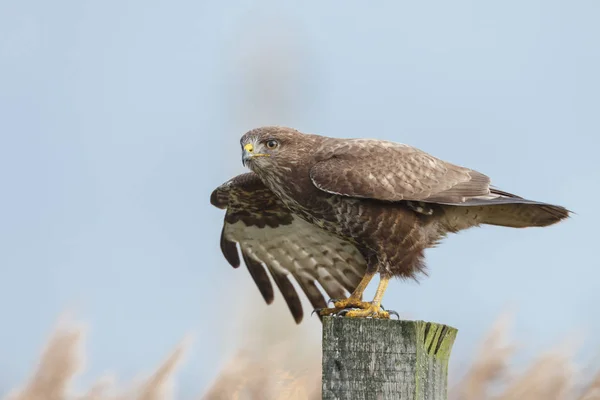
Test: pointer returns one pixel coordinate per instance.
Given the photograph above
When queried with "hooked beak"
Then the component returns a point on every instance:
(249, 153)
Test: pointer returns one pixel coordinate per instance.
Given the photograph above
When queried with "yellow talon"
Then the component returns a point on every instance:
(354, 301)
(344, 304)
(373, 311)
(354, 307)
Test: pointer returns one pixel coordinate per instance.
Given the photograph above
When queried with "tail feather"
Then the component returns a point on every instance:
(521, 214)
(506, 209)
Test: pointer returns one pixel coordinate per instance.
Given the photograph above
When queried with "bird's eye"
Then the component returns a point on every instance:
(271, 144)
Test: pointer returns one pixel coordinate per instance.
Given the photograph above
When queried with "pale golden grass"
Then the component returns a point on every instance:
(551, 376)
(277, 359)
(268, 367)
(62, 360)
(489, 366)
(245, 378)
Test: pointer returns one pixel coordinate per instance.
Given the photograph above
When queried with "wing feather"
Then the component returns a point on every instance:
(260, 277)
(388, 171)
(271, 237)
(311, 290)
(229, 250)
(288, 291)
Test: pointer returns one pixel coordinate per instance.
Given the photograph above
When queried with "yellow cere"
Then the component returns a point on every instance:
(249, 147)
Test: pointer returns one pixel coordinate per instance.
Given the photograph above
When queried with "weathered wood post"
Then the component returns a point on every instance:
(367, 359)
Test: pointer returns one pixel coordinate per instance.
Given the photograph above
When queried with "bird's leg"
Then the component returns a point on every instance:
(354, 300)
(374, 310)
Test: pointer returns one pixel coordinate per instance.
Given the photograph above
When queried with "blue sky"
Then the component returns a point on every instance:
(118, 118)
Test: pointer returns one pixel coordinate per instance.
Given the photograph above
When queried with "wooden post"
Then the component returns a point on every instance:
(367, 359)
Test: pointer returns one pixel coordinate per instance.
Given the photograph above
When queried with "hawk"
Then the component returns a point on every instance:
(336, 212)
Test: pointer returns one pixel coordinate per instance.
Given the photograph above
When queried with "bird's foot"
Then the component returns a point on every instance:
(342, 305)
(373, 311)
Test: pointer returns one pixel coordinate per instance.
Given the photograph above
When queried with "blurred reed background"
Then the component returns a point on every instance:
(283, 364)
(117, 119)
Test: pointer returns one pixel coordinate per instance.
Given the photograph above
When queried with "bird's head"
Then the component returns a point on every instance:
(274, 146)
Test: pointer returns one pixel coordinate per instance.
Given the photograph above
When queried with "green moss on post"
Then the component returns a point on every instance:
(385, 359)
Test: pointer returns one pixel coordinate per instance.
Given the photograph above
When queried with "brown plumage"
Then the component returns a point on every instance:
(337, 211)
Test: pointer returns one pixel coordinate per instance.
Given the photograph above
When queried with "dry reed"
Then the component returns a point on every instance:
(62, 360)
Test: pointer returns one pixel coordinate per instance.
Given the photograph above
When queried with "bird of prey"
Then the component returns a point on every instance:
(336, 212)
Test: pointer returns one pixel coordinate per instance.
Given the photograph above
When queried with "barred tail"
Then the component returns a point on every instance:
(506, 209)
(523, 214)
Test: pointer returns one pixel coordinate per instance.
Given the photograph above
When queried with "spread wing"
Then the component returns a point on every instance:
(271, 237)
(391, 171)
